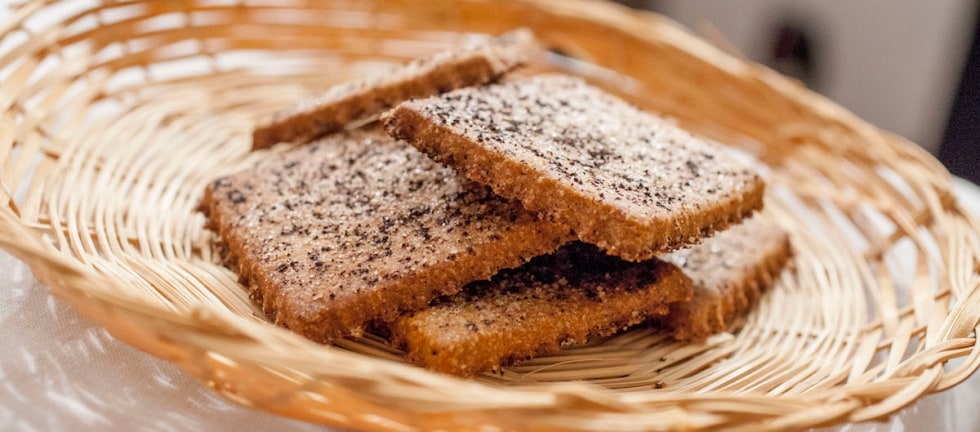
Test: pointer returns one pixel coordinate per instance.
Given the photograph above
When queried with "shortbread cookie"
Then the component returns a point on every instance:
(359, 227)
(730, 271)
(632, 183)
(553, 301)
(348, 102)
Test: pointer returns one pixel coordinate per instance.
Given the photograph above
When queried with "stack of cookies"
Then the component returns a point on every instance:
(489, 216)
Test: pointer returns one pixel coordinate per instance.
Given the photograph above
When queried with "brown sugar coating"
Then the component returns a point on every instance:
(359, 227)
(345, 103)
(730, 271)
(625, 180)
(553, 301)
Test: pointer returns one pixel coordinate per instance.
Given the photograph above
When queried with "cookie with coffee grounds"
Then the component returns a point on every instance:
(630, 182)
(730, 271)
(358, 227)
(346, 103)
(553, 301)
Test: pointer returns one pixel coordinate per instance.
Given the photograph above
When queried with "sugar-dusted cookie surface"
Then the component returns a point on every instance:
(358, 227)
(730, 271)
(628, 181)
(348, 102)
(554, 300)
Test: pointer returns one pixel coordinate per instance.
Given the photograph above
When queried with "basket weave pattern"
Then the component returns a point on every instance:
(113, 117)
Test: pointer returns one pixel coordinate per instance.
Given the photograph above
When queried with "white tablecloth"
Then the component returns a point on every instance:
(60, 371)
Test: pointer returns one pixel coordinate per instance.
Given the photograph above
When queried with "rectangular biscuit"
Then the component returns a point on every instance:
(627, 181)
(358, 227)
(551, 302)
(351, 101)
(730, 271)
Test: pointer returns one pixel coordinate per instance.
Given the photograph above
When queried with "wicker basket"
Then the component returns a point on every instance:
(113, 117)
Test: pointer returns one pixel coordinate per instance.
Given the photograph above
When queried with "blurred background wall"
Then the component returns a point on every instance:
(904, 65)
